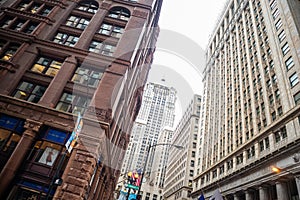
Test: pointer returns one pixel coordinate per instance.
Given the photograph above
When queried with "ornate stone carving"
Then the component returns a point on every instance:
(101, 114)
(32, 125)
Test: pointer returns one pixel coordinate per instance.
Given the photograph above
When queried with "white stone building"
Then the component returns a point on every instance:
(251, 112)
(181, 163)
(155, 118)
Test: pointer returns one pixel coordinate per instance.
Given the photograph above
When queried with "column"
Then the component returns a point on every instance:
(297, 179)
(57, 85)
(248, 195)
(236, 197)
(10, 169)
(130, 39)
(272, 141)
(263, 193)
(282, 192)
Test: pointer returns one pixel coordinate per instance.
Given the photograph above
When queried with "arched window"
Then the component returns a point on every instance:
(89, 6)
(119, 13)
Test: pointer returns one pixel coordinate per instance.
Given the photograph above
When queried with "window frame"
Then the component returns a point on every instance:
(66, 39)
(294, 79)
(88, 72)
(81, 103)
(31, 93)
(48, 69)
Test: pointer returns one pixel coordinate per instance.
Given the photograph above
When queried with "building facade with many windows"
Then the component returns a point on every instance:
(59, 59)
(250, 117)
(182, 163)
(152, 125)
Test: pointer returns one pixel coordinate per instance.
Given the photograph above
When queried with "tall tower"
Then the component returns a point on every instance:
(58, 59)
(250, 117)
(155, 118)
(182, 163)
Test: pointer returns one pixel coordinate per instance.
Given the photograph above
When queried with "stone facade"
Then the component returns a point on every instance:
(250, 117)
(181, 163)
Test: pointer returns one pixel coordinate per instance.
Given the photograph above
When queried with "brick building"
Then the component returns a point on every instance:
(59, 58)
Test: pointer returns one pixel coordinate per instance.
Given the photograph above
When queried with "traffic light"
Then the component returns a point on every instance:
(134, 178)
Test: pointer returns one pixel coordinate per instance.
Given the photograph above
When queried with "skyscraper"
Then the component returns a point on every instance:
(250, 117)
(155, 118)
(182, 163)
(59, 59)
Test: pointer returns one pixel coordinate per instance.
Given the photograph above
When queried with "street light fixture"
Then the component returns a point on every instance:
(275, 169)
(148, 152)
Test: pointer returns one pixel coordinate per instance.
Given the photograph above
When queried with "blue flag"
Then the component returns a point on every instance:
(201, 197)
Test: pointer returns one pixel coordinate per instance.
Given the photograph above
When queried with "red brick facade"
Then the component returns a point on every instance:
(58, 58)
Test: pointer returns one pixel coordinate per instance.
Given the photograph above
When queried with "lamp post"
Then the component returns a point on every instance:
(148, 152)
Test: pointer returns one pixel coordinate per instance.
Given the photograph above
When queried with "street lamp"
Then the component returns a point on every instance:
(148, 152)
(276, 169)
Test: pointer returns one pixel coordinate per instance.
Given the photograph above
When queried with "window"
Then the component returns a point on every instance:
(23, 5)
(271, 99)
(119, 13)
(278, 24)
(297, 98)
(11, 130)
(281, 36)
(229, 164)
(30, 27)
(77, 22)
(273, 4)
(250, 152)
(239, 159)
(73, 103)
(277, 137)
(90, 6)
(102, 48)
(66, 39)
(267, 142)
(289, 63)
(87, 76)
(277, 94)
(34, 7)
(221, 169)
(294, 79)
(273, 116)
(275, 13)
(111, 30)
(18, 24)
(214, 174)
(45, 10)
(48, 66)
(48, 147)
(25, 26)
(281, 134)
(8, 49)
(29, 92)
(193, 154)
(261, 145)
(154, 197)
(274, 79)
(147, 196)
(269, 84)
(285, 49)
(191, 173)
(279, 110)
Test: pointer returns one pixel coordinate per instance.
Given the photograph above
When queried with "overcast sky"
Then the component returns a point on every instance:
(179, 57)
